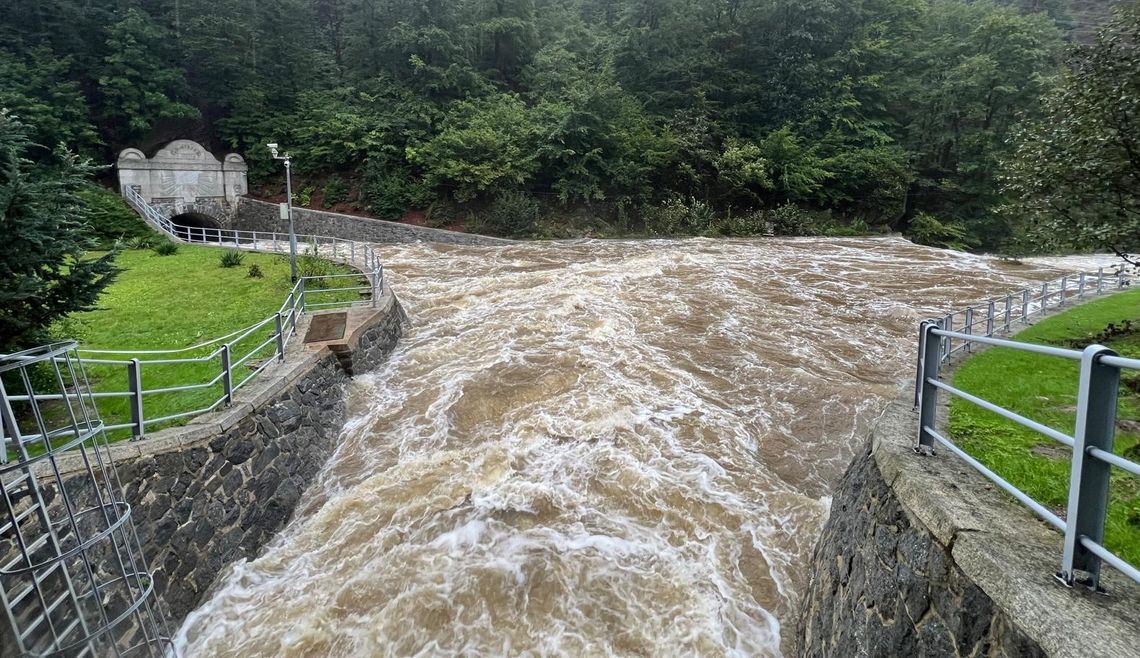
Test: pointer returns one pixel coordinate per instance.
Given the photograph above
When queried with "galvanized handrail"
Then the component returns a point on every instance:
(1092, 456)
(1001, 314)
(282, 325)
(180, 350)
(1019, 308)
(358, 254)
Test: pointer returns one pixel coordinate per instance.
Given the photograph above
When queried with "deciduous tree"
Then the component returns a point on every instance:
(1075, 177)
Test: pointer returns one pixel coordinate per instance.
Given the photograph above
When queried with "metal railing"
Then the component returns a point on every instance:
(227, 363)
(358, 254)
(1001, 314)
(1092, 442)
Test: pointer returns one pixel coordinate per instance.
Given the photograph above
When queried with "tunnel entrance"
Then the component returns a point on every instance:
(196, 227)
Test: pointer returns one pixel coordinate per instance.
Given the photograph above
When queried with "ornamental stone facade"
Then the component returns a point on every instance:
(183, 174)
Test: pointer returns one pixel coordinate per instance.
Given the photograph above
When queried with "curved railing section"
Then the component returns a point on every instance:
(1092, 457)
(141, 390)
(1000, 315)
(360, 255)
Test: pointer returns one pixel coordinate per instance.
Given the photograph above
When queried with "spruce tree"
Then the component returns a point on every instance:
(45, 271)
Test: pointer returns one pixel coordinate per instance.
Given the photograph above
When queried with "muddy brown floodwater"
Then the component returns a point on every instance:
(594, 448)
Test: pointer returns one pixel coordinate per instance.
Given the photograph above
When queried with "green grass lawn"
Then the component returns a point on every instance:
(177, 301)
(1044, 389)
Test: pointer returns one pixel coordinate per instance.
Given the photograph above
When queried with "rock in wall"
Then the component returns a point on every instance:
(200, 507)
(921, 556)
(218, 489)
(883, 586)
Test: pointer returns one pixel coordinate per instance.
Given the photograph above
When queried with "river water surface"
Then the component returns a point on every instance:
(594, 448)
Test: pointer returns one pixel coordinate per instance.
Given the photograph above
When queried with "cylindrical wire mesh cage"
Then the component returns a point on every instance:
(73, 581)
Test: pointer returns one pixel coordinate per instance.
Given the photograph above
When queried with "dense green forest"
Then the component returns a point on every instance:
(559, 117)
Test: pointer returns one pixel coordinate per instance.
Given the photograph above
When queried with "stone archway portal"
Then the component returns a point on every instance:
(185, 178)
(197, 226)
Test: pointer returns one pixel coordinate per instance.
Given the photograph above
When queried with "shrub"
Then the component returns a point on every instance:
(309, 266)
(313, 266)
(752, 223)
(442, 214)
(166, 248)
(111, 220)
(855, 228)
(304, 198)
(679, 217)
(143, 242)
(255, 272)
(512, 214)
(930, 231)
(791, 220)
(390, 191)
(336, 191)
(231, 258)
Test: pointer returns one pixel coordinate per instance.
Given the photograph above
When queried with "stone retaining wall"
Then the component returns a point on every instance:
(253, 215)
(922, 557)
(216, 490)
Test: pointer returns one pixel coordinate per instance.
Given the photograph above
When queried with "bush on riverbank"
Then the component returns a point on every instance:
(1045, 389)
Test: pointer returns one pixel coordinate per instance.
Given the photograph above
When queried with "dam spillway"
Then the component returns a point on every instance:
(595, 448)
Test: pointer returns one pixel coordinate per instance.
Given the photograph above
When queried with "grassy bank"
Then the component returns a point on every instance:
(1045, 389)
(178, 301)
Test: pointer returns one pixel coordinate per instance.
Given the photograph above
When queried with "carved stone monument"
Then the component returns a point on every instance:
(184, 175)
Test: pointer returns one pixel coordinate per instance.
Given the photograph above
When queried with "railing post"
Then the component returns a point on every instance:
(1100, 280)
(949, 341)
(280, 339)
(930, 347)
(1025, 306)
(1008, 311)
(301, 289)
(1081, 287)
(1064, 285)
(990, 320)
(918, 364)
(227, 375)
(1044, 296)
(352, 251)
(969, 328)
(1088, 482)
(293, 308)
(134, 385)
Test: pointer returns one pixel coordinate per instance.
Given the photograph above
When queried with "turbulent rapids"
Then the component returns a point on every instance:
(594, 448)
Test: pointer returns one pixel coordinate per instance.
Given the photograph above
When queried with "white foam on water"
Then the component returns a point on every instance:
(594, 448)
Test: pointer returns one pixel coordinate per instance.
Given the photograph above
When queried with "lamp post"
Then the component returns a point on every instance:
(289, 205)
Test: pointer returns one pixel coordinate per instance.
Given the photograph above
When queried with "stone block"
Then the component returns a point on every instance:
(232, 482)
(939, 564)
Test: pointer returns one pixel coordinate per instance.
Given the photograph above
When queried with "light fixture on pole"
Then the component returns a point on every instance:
(288, 207)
